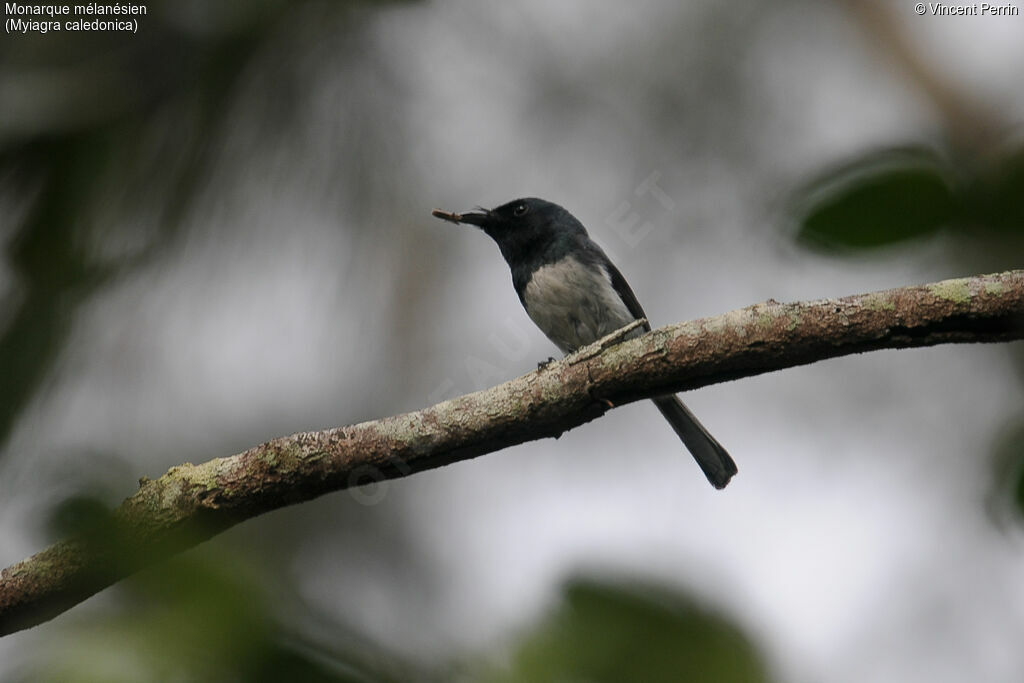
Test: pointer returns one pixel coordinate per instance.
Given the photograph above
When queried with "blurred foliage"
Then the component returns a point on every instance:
(886, 197)
(198, 618)
(211, 615)
(89, 133)
(107, 140)
(206, 615)
(606, 632)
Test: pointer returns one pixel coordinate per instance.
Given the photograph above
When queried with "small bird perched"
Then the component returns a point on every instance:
(575, 295)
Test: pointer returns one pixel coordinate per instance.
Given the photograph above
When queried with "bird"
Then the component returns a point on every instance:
(574, 293)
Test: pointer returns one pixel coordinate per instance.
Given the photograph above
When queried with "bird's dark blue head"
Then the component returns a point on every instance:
(524, 228)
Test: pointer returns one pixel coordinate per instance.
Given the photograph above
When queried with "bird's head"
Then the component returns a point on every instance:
(520, 223)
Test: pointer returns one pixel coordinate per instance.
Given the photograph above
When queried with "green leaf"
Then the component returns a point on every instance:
(878, 200)
(1000, 193)
(611, 633)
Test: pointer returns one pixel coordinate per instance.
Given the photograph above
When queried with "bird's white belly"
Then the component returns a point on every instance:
(574, 305)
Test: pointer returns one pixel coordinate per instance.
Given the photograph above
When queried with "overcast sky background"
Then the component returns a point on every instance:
(313, 289)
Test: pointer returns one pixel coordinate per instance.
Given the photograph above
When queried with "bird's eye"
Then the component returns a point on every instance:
(520, 210)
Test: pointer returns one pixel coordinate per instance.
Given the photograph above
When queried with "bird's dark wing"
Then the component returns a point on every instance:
(626, 294)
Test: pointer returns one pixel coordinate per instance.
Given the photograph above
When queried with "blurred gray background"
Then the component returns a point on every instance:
(217, 231)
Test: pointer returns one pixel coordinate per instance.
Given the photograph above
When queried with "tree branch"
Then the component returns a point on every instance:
(191, 503)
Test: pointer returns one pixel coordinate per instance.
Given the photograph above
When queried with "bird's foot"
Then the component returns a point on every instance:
(544, 363)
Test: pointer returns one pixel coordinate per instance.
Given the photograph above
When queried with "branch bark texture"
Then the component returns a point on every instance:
(191, 503)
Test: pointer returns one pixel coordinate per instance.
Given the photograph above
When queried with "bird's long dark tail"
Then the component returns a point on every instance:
(714, 460)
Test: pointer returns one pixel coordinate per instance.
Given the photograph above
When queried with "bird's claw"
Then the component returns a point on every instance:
(544, 363)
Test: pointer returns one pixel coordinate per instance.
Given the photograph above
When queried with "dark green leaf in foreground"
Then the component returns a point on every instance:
(1000, 193)
(613, 633)
(878, 200)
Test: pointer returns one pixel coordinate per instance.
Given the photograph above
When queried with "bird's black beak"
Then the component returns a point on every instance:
(477, 218)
